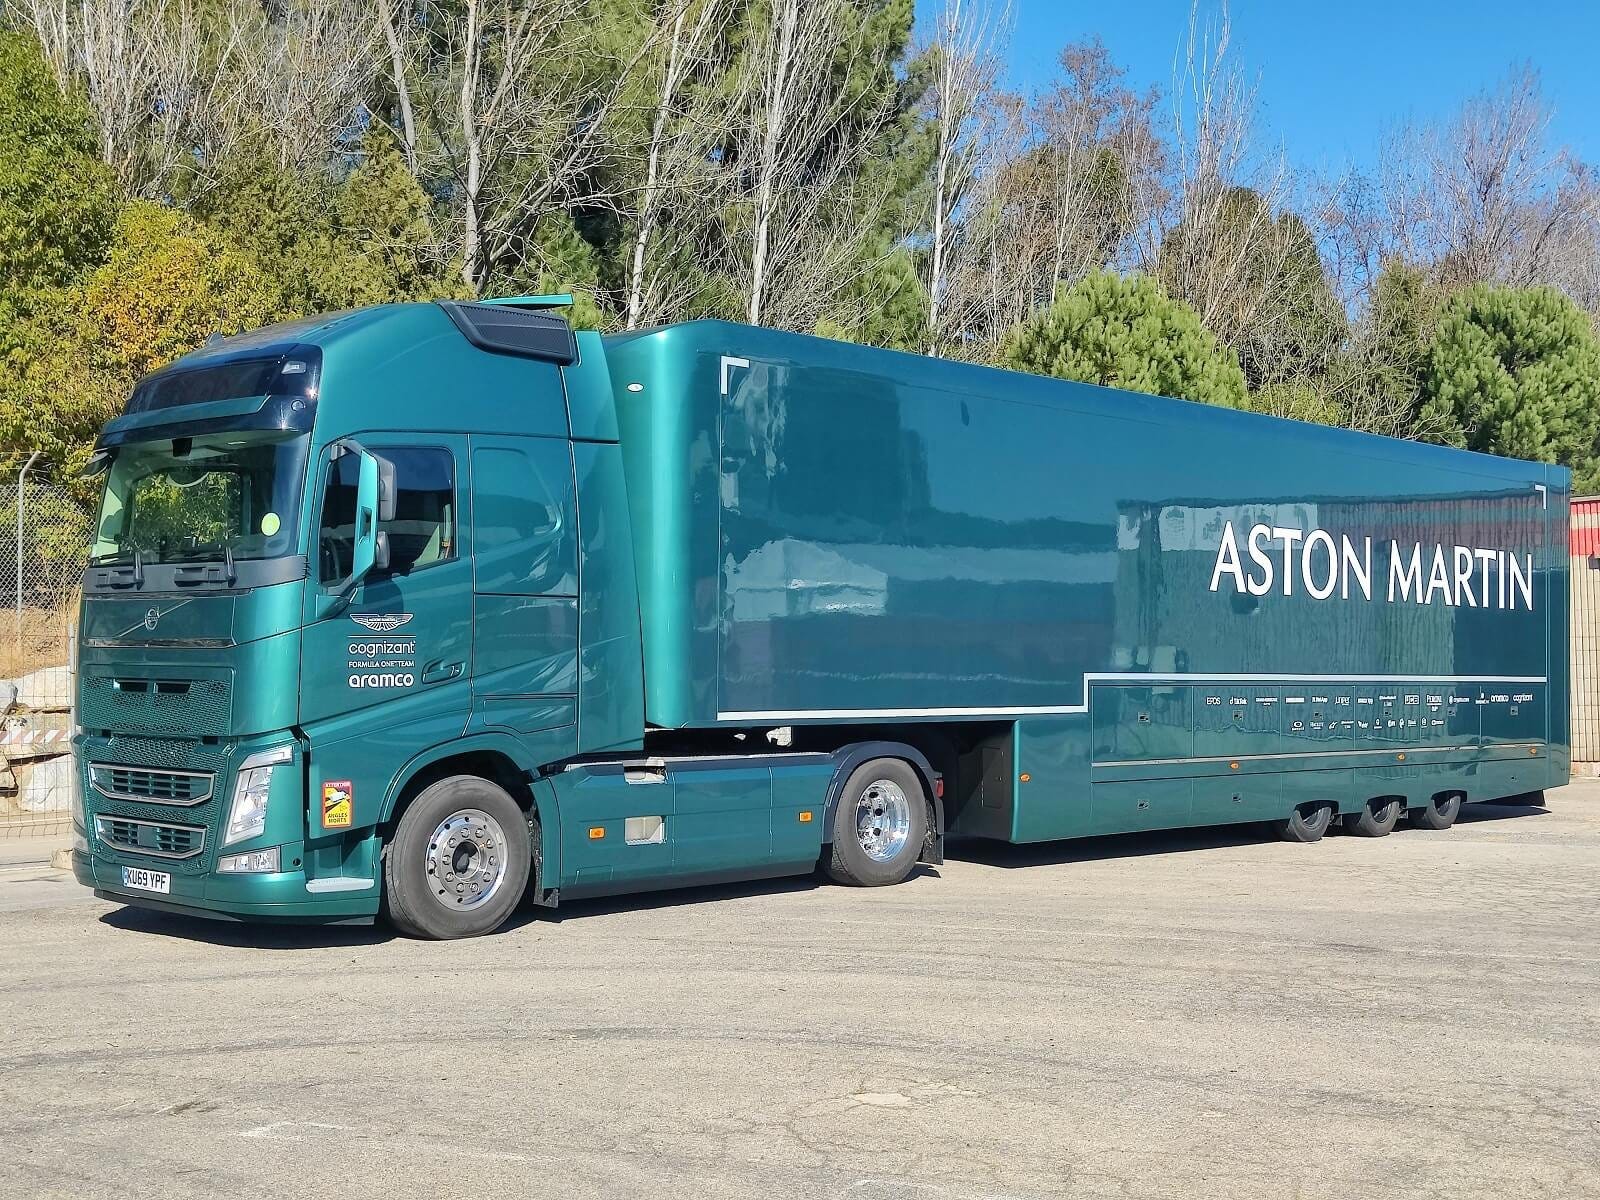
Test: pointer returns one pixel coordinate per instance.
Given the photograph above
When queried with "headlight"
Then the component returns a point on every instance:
(248, 816)
(80, 820)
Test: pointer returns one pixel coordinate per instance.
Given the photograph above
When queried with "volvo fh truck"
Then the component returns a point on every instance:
(431, 610)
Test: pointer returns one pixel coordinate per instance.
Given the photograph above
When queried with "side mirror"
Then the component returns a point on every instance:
(385, 492)
(380, 552)
(365, 552)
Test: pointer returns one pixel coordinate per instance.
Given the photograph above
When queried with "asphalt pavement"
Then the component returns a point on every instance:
(1201, 1014)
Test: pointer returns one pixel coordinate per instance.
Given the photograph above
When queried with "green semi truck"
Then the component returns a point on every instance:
(432, 610)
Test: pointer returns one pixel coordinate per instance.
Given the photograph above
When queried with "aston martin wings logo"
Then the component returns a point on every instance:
(380, 622)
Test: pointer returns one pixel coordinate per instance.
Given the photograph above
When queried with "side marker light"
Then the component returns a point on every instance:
(596, 832)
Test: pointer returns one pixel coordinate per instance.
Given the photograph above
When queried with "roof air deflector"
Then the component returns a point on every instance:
(526, 332)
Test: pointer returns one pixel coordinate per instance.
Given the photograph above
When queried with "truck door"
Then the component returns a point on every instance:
(404, 640)
(525, 591)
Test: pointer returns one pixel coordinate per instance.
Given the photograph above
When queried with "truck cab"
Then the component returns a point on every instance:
(334, 558)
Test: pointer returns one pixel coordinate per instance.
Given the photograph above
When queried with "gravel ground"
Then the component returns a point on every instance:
(1199, 1014)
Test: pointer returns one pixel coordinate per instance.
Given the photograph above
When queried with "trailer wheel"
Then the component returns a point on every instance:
(459, 861)
(879, 824)
(1376, 819)
(1438, 813)
(1306, 824)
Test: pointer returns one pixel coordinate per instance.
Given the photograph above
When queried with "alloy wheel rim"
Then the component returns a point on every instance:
(466, 860)
(883, 820)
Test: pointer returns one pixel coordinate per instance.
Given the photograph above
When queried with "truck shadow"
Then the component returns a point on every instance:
(244, 936)
(987, 853)
(309, 937)
(1174, 841)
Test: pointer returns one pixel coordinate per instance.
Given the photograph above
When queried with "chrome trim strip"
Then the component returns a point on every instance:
(1216, 758)
(788, 716)
(100, 833)
(136, 798)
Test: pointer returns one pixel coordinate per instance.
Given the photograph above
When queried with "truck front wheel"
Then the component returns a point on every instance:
(459, 861)
(879, 824)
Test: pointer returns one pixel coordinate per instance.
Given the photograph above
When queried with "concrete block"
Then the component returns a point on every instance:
(45, 786)
(46, 688)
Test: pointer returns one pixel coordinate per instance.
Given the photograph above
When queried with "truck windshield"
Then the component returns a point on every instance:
(193, 499)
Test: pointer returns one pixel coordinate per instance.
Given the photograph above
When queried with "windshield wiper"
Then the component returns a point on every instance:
(116, 576)
(209, 572)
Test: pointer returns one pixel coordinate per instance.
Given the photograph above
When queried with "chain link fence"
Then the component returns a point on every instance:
(45, 535)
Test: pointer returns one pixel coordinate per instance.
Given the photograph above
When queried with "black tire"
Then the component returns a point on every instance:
(1438, 813)
(428, 884)
(1376, 819)
(1306, 824)
(891, 791)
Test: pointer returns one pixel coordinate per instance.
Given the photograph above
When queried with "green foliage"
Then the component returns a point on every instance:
(886, 305)
(1516, 371)
(167, 284)
(165, 513)
(331, 246)
(57, 199)
(1378, 374)
(1262, 277)
(1127, 333)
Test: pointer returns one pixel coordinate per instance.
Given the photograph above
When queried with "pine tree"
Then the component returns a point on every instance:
(1127, 333)
(1516, 371)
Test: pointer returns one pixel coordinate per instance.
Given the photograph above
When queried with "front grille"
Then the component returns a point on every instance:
(149, 837)
(159, 706)
(150, 785)
(157, 755)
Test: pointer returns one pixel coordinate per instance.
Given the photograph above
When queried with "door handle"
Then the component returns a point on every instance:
(437, 672)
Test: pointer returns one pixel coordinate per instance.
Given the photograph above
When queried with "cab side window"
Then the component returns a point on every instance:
(423, 530)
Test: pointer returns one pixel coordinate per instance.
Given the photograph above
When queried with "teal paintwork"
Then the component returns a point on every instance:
(711, 528)
(830, 533)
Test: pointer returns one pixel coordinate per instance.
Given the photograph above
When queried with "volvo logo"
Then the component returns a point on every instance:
(151, 617)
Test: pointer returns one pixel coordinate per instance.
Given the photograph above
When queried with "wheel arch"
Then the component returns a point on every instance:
(495, 758)
(847, 758)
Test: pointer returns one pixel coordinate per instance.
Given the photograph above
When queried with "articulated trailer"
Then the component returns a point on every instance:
(426, 610)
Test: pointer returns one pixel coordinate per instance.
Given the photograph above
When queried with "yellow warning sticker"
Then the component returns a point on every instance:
(336, 797)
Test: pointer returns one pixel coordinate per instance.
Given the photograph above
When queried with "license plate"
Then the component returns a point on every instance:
(146, 881)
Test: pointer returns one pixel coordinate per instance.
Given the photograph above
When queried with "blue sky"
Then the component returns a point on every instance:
(1332, 76)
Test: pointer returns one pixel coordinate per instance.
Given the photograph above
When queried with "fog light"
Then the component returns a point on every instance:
(255, 861)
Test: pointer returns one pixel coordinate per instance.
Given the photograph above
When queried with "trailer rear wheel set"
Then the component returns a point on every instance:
(1310, 821)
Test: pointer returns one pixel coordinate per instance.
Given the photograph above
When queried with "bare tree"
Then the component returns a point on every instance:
(1486, 196)
(394, 43)
(680, 140)
(304, 74)
(806, 135)
(152, 82)
(529, 129)
(1231, 244)
(966, 66)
